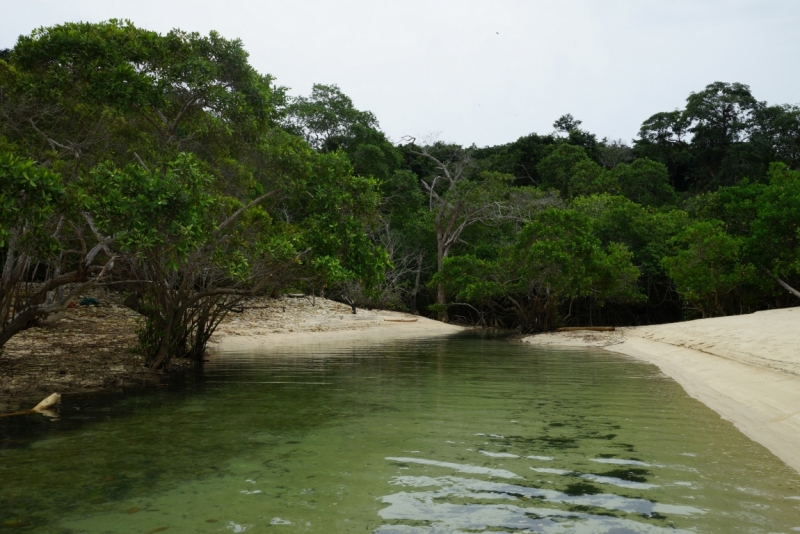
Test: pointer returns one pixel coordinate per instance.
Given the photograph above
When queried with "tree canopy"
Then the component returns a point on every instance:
(166, 166)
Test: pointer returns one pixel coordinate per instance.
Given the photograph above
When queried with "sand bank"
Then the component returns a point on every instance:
(303, 321)
(745, 367)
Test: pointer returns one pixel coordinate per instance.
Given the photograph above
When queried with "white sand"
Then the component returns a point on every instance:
(292, 321)
(745, 367)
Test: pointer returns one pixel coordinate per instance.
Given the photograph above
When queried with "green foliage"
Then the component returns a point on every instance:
(470, 279)
(156, 144)
(519, 158)
(645, 182)
(336, 207)
(707, 268)
(555, 258)
(558, 169)
(170, 211)
(329, 121)
(557, 252)
(77, 94)
(29, 197)
(644, 231)
(774, 240)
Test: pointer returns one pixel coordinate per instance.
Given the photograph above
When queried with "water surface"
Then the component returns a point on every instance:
(461, 435)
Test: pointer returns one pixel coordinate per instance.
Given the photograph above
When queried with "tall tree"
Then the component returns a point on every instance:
(456, 200)
(328, 121)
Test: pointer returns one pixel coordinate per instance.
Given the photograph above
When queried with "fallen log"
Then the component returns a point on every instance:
(42, 408)
(402, 320)
(591, 328)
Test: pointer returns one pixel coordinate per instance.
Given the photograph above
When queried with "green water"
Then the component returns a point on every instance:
(432, 436)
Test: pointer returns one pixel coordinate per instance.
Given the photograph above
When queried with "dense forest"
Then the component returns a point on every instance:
(167, 168)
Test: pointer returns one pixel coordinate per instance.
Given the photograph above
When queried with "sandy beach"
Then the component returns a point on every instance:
(745, 367)
(303, 321)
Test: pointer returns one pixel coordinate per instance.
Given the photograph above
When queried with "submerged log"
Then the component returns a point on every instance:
(42, 408)
(591, 328)
(47, 403)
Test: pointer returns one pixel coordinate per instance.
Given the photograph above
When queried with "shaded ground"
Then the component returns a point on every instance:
(85, 348)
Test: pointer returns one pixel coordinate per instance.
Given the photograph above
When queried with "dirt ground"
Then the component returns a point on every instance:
(84, 348)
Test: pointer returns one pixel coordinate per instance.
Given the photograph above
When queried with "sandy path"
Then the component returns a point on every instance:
(745, 367)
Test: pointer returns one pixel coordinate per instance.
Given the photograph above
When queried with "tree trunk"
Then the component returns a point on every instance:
(441, 296)
(781, 283)
(413, 302)
(163, 347)
(441, 299)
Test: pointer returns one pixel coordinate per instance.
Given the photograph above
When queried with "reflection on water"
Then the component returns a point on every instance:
(462, 435)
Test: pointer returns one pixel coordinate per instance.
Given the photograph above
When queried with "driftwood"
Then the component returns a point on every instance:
(402, 320)
(592, 328)
(42, 408)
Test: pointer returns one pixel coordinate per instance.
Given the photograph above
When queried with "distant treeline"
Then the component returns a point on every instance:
(165, 166)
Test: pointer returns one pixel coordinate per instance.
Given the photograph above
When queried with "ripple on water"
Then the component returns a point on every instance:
(432, 506)
(462, 468)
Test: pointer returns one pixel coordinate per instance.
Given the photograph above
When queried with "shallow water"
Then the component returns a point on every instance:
(457, 435)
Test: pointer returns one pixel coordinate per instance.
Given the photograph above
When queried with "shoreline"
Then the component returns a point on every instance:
(745, 367)
(94, 348)
(323, 321)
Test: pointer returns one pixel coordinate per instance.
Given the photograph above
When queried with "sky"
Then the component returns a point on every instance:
(483, 72)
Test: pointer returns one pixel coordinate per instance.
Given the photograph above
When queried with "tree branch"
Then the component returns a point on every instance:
(241, 210)
(783, 284)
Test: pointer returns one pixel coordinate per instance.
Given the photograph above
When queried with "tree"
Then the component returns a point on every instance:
(188, 252)
(44, 245)
(707, 269)
(519, 158)
(81, 93)
(327, 118)
(647, 234)
(457, 201)
(645, 182)
(329, 121)
(776, 134)
(555, 258)
(612, 153)
(664, 138)
(712, 142)
(721, 119)
(764, 217)
(570, 126)
(570, 171)
(774, 240)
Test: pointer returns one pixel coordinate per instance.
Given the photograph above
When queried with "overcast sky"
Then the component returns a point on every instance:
(484, 72)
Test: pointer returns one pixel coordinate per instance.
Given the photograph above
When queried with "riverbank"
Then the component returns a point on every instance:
(744, 367)
(301, 321)
(86, 348)
(92, 348)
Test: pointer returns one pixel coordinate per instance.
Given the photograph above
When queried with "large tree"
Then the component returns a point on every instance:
(457, 198)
